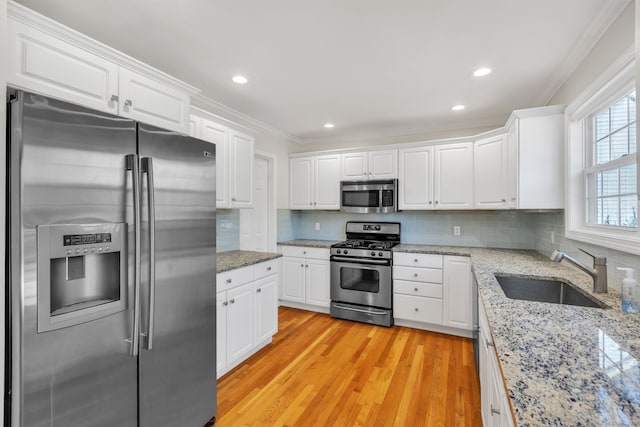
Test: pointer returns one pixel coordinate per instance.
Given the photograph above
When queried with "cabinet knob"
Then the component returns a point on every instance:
(233, 199)
(488, 343)
(268, 268)
(415, 275)
(310, 203)
(416, 309)
(232, 301)
(415, 289)
(307, 266)
(430, 202)
(128, 103)
(229, 280)
(436, 202)
(513, 199)
(304, 252)
(415, 260)
(258, 290)
(114, 98)
(301, 265)
(315, 203)
(494, 411)
(225, 303)
(504, 200)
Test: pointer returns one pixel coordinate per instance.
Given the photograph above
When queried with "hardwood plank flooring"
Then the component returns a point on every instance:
(320, 371)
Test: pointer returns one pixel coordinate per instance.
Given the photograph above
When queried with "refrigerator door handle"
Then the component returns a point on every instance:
(132, 165)
(147, 167)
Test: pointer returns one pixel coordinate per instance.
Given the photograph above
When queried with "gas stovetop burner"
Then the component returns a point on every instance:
(366, 244)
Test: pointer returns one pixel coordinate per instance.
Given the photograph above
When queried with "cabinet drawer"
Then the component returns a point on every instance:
(432, 290)
(266, 268)
(417, 260)
(418, 309)
(431, 275)
(304, 252)
(232, 278)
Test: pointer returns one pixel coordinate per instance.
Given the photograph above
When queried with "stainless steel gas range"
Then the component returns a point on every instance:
(361, 282)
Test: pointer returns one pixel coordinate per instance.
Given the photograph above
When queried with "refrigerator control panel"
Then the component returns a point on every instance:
(85, 239)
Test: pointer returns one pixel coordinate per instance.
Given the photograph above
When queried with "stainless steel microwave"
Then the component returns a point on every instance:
(375, 196)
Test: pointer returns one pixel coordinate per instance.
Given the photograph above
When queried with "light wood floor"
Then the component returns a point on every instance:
(321, 371)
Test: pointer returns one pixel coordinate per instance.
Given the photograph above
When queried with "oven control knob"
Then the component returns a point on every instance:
(380, 253)
(339, 251)
(346, 251)
(373, 253)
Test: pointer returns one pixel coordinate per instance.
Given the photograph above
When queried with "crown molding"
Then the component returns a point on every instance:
(583, 46)
(237, 118)
(40, 22)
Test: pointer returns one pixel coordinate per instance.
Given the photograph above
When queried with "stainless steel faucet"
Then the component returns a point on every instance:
(599, 271)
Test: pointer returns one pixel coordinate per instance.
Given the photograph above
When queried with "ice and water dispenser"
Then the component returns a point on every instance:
(81, 273)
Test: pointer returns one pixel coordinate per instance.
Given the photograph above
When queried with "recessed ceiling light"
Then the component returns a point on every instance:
(329, 125)
(240, 79)
(481, 72)
(457, 107)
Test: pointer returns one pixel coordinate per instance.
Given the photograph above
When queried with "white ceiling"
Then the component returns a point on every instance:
(375, 68)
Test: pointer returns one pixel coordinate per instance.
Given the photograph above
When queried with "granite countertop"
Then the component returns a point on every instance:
(231, 260)
(562, 365)
(322, 244)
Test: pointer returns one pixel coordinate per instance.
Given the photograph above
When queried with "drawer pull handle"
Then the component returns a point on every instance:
(488, 343)
(228, 280)
(114, 98)
(128, 103)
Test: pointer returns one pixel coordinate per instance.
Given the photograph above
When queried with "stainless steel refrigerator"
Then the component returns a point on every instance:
(111, 269)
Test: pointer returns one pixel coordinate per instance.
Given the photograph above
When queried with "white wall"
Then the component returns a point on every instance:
(3, 115)
(618, 38)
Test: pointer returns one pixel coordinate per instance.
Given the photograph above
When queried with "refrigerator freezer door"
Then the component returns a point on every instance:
(68, 167)
(177, 375)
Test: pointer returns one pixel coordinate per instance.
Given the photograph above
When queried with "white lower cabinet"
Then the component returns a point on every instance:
(496, 411)
(247, 312)
(305, 278)
(433, 292)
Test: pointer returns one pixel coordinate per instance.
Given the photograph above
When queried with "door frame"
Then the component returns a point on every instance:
(272, 204)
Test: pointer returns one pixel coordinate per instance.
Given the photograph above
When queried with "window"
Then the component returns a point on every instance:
(602, 161)
(611, 175)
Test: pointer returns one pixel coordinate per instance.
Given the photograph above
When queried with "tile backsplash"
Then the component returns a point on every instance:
(227, 230)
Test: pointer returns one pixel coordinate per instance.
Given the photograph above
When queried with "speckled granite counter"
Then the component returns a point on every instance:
(231, 260)
(322, 244)
(563, 365)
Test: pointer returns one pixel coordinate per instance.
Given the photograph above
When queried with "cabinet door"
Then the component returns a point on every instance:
(266, 307)
(327, 182)
(240, 321)
(490, 173)
(457, 298)
(194, 126)
(454, 176)
(240, 170)
(317, 282)
(221, 331)
(218, 135)
(301, 183)
(512, 165)
(415, 184)
(355, 166)
(43, 63)
(293, 277)
(383, 164)
(148, 101)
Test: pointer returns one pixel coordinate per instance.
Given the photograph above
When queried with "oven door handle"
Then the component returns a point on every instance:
(360, 260)
(359, 310)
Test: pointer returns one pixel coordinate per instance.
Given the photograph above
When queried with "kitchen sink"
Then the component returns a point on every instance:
(543, 290)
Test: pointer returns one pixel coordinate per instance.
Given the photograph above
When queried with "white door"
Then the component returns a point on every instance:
(266, 307)
(415, 185)
(240, 321)
(317, 282)
(221, 331)
(354, 166)
(490, 173)
(293, 279)
(457, 296)
(301, 183)
(454, 176)
(327, 182)
(383, 164)
(240, 172)
(254, 222)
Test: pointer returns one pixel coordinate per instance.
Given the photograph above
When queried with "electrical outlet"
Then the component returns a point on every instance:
(456, 230)
(553, 237)
(317, 226)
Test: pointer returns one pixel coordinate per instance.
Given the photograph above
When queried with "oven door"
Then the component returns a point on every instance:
(361, 281)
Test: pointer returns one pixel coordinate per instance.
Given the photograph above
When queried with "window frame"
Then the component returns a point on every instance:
(616, 82)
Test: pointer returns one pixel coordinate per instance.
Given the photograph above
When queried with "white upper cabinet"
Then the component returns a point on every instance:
(381, 164)
(75, 71)
(536, 158)
(453, 181)
(490, 173)
(234, 162)
(314, 182)
(415, 181)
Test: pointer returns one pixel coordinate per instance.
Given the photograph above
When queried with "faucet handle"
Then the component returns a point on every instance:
(597, 260)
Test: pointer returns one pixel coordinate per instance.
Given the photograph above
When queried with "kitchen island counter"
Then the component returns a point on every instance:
(562, 365)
